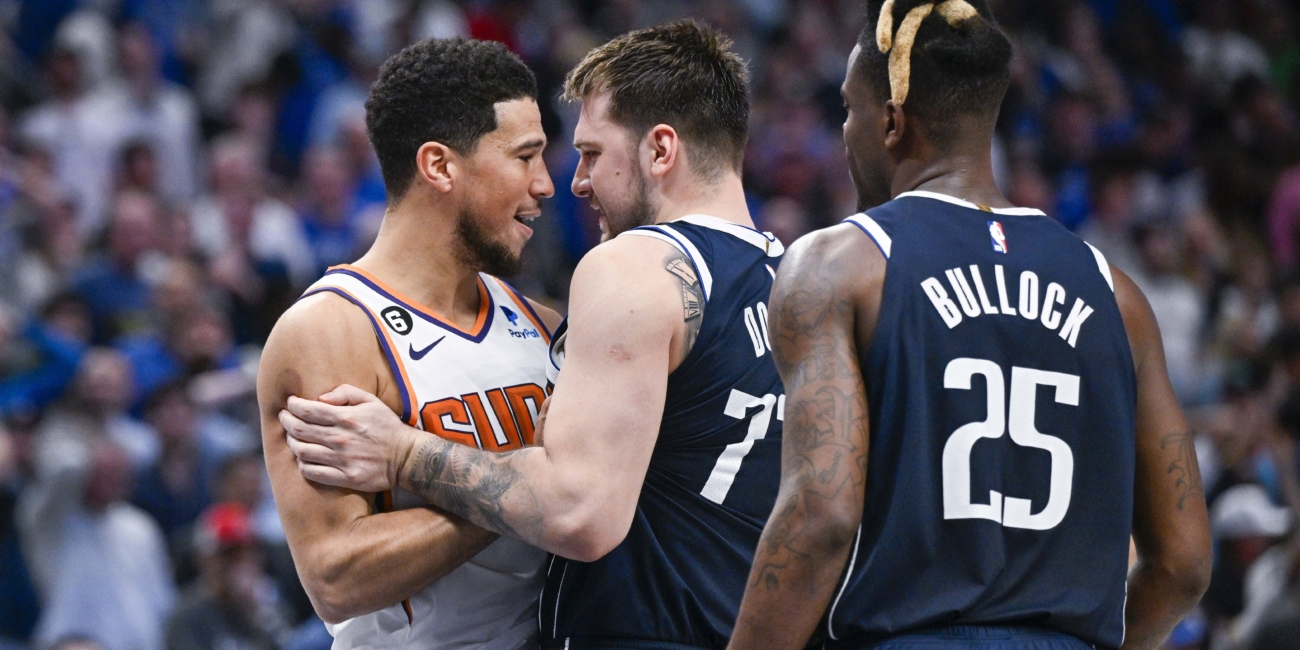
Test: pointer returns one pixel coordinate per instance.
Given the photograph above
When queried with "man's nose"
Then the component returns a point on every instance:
(581, 185)
(543, 187)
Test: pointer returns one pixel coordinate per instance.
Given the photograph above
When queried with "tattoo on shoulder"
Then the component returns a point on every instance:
(680, 267)
(1183, 469)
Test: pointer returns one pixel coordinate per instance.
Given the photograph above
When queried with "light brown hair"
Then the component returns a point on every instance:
(682, 74)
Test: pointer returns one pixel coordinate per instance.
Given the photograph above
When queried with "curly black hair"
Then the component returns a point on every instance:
(439, 90)
(957, 72)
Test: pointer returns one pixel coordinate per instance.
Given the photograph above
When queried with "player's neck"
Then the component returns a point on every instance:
(967, 176)
(414, 254)
(724, 200)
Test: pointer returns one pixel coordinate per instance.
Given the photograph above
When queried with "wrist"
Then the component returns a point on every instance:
(407, 450)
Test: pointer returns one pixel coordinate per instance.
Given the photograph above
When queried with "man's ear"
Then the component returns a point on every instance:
(437, 165)
(664, 146)
(895, 124)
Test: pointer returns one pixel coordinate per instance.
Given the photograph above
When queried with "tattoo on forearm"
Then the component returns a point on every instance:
(476, 485)
(1183, 469)
(681, 268)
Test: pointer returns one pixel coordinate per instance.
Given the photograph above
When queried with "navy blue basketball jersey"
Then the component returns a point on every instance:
(1001, 391)
(678, 577)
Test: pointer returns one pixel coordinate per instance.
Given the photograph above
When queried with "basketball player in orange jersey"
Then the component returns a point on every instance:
(421, 322)
(662, 442)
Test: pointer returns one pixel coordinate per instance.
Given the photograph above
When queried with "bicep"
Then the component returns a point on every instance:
(1169, 503)
(311, 513)
(608, 402)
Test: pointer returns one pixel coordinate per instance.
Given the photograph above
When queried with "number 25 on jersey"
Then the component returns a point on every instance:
(1018, 418)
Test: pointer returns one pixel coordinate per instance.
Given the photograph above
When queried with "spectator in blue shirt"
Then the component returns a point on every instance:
(113, 285)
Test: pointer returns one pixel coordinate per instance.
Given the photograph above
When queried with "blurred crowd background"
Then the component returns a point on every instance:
(174, 172)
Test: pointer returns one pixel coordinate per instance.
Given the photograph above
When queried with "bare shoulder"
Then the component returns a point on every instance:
(1139, 319)
(626, 269)
(318, 343)
(841, 254)
(623, 257)
(830, 277)
(637, 288)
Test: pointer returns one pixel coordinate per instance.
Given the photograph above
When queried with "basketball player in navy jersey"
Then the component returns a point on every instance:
(979, 413)
(661, 447)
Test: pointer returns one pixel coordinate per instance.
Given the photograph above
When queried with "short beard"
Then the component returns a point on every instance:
(479, 251)
(640, 212)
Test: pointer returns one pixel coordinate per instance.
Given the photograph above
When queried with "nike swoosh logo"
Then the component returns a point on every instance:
(416, 355)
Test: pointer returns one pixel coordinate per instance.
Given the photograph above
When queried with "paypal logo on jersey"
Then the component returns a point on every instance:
(526, 333)
(514, 318)
(999, 238)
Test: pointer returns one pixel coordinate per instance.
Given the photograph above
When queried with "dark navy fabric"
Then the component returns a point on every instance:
(983, 638)
(678, 577)
(921, 563)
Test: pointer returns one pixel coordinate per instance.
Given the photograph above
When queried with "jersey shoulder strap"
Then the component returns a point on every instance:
(877, 234)
(674, 238)
(383, 315)
(674, 233)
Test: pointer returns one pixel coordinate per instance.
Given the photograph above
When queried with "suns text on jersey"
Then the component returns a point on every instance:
(1046, 308)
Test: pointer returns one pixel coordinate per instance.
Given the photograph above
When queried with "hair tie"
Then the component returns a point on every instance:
(899, 46)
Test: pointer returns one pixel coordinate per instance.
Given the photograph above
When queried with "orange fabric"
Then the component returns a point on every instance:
(517, 396)
(432, 413)
(508, 427)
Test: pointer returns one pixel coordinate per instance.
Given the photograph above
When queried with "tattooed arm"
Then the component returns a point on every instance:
(1170, 524)
(824, 306)
(635, 310)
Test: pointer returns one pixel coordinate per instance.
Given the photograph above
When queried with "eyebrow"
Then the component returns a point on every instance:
(582, 144)
(535, 143)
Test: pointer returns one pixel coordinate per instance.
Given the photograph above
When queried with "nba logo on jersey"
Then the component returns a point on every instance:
(999, 239)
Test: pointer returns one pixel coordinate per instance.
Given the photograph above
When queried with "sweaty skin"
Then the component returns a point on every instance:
(824, 309)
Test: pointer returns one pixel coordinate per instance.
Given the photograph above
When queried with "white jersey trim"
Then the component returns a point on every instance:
(706, 277)
(676, 240)
(1103, 266)
(848, 575)
(766, 241)
(874, 231)
(1024, 212)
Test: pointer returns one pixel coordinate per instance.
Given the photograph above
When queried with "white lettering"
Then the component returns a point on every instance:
(762, 323)
(1002, 291)
(1055, 296)
(964, 295)
(947, 310)
(1029, 295)
(754, 337)
(1046, 308)
(979, 287)
(1079, 313)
